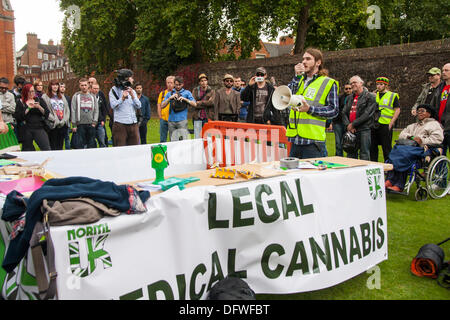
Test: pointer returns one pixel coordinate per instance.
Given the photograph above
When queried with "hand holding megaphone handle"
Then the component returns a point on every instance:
(299, 69)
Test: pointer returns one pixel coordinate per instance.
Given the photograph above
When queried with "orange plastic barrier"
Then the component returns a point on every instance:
(267, 136)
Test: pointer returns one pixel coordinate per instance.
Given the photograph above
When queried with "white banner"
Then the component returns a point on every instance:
(301, 232)
(121, 164)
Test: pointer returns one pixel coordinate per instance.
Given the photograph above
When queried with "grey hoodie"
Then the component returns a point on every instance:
(84, 109)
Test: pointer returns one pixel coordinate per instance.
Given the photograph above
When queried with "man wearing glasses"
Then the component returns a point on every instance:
(227, 102)
(8, 102)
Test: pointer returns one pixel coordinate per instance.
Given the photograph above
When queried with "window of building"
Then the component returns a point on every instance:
(45, 56)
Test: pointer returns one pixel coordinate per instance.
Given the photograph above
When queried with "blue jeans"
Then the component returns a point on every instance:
(86, 137)
(100, 134)
(363, 140)
(339, 130)
(163, 130)
(308, 151)
(198, 126)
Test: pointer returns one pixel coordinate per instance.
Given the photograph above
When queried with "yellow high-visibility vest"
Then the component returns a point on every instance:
(303, 124)
(386, 106)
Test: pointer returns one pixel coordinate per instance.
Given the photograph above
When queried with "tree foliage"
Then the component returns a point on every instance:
(165, 35)
(102, 43)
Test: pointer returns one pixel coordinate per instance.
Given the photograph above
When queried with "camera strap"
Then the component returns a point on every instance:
(115, 93)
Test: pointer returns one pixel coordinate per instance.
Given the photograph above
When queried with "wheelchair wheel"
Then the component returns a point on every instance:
(421, 194)
(438, 177)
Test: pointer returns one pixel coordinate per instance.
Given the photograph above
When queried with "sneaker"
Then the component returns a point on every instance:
(395, 189)
(387, 184)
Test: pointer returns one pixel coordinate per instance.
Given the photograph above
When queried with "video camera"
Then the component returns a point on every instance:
(122, 81)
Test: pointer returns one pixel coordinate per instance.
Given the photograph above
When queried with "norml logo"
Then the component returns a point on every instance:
(90, 240)
(374, 179)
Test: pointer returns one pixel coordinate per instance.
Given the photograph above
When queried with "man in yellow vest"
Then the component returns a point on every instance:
(164, 113)
(306, 127)
(388, 112)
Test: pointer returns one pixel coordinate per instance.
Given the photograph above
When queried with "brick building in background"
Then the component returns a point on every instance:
(7, 46)
(42, 61)
(267, 50)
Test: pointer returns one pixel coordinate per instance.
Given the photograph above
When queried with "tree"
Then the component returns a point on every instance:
(102, 42)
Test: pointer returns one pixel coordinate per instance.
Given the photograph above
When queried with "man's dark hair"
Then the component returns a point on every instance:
(19, 80)
(4, 80)
(179, 79)
(124, 74)
(138, 84)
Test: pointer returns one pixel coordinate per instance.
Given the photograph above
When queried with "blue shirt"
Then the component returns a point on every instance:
(329, 111)
(179, 116)
(145, 109)
(124, 110)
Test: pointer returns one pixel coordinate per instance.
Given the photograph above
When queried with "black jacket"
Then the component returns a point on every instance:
(102, 107)
(366, 107)
(436, 104)
(342, 100)
(34, 119)
(270, 113)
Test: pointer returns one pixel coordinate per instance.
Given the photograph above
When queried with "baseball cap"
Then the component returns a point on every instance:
(200, 77)
(434, 71)
(261, 69)
(228, 76)
(383, 80)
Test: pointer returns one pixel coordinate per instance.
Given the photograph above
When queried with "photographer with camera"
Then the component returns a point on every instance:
(180, 99)
(124, 103)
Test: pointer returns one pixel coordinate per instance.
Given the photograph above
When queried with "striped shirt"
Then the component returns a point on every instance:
(329, 111)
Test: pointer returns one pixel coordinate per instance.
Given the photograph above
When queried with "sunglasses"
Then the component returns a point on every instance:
(259, 74)
(228, 80)
(3, 88)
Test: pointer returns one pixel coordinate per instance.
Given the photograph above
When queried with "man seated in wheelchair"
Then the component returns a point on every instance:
(418, 141)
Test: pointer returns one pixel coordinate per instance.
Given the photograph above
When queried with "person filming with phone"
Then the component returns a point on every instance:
(33, 112)
(259, 95)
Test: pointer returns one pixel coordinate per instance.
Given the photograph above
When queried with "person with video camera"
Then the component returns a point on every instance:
(124, 103)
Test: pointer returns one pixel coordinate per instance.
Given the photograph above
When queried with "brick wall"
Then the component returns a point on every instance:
(7, 54)
(406, 65)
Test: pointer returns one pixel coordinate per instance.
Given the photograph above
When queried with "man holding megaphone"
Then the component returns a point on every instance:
(313, 98)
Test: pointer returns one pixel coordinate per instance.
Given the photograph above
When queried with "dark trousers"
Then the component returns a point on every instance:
(56, 137)
(86, 137)
(228, 117)
(125, 134)
(339, 130)
(308, 151)
(143, 132)
(446, 142)
(38, 135)
(381, 136)
(397, 178)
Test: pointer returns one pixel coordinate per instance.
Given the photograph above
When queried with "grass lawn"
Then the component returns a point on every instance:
(411, 225)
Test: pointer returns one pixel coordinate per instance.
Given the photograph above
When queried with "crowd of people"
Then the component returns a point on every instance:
(47, 118)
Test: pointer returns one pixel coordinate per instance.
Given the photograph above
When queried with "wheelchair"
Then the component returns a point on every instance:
(434, 172)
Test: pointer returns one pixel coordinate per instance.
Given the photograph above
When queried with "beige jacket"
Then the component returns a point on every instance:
(429, 130)
(220, 102)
